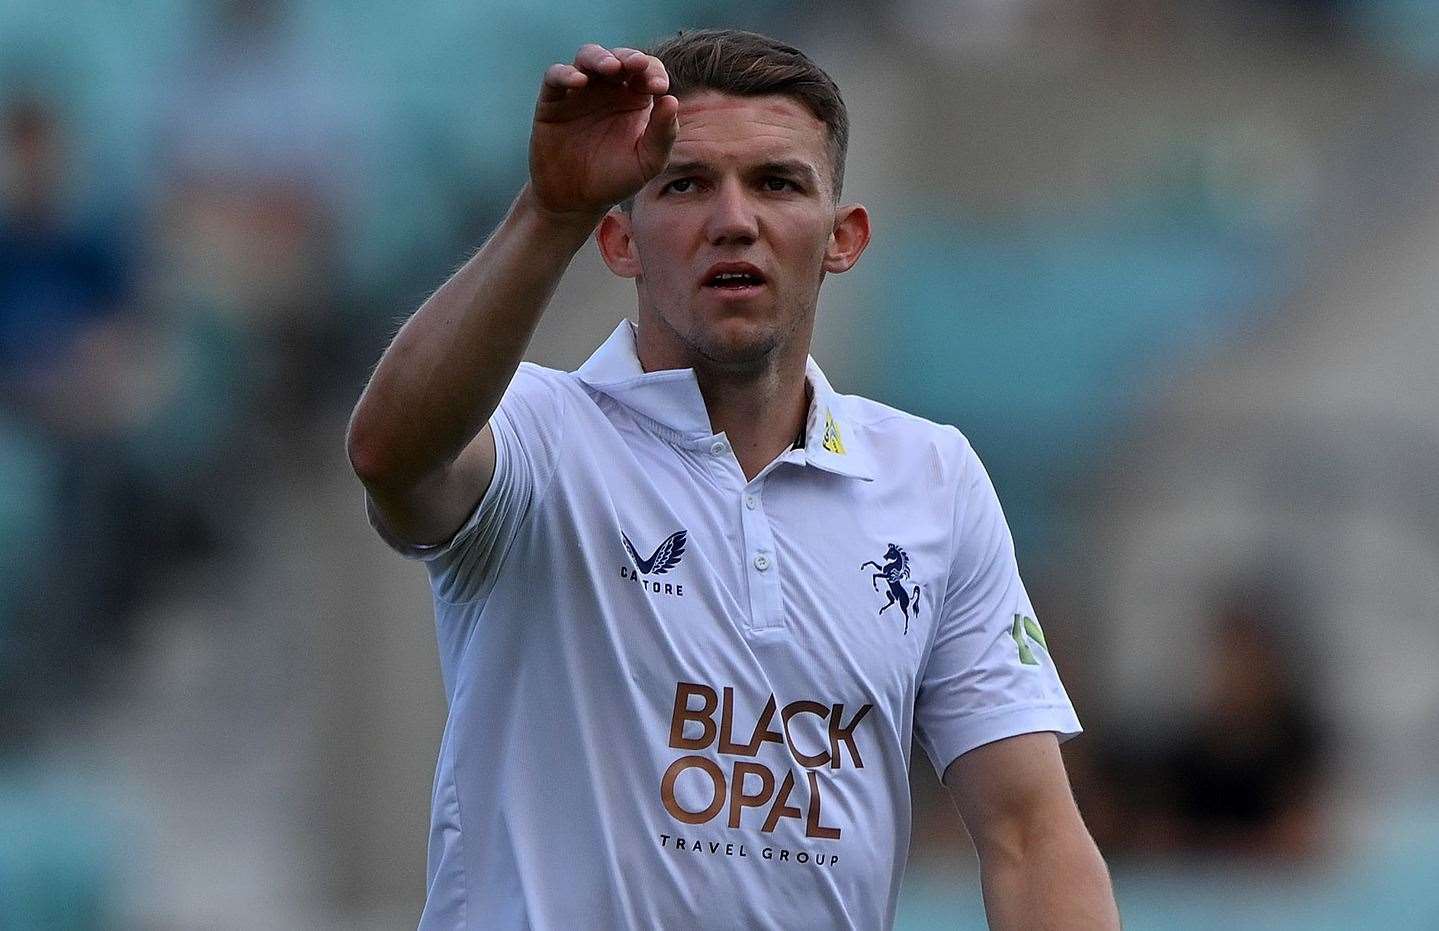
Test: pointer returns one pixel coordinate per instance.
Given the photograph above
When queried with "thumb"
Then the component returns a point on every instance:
(653, 147)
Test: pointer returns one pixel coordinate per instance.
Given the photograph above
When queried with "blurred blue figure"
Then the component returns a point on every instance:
(55, 278)
(58, 282)
(58, 279)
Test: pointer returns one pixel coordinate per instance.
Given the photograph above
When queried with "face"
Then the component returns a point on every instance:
(747, 186)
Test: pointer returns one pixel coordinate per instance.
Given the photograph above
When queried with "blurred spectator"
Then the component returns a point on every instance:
(1244, 776)
(65, 579)
(145, 385)
(55, 278)
(83, 377)
(259, 173)
(62, 287)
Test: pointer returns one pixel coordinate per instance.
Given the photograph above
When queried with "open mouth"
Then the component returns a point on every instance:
(735, 282)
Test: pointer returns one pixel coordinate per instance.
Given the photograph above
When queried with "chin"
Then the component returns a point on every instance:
(737, 341)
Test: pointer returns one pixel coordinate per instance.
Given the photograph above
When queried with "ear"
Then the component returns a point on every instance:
(615, 237)
(848, 239)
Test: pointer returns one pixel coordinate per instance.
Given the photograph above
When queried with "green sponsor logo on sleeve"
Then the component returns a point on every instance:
(1027, 627)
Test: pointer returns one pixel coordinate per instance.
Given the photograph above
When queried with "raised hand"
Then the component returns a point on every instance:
(603, 127)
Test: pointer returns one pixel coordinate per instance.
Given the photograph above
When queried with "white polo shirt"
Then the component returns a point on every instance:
(680, 699)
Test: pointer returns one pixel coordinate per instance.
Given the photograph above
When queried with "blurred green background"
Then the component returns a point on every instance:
(1170, 265)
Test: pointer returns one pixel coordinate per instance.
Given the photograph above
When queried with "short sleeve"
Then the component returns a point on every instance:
(526, 427)
(989, 674)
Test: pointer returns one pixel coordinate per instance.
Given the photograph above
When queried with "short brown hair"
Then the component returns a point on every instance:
(747, 64)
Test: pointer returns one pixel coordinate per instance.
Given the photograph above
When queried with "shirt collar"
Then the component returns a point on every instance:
(672, 399)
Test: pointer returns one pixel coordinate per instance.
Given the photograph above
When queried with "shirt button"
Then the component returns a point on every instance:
(751, 502)
(718, 448)
(761, 562)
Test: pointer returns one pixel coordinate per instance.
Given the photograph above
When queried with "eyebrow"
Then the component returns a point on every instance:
(784, 166)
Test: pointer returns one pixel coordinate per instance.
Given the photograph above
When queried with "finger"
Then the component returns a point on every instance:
(598, 60)
(659, 136)
(655, 69)
(558, 79)
(652, 77)
(632, 63)
(642, 73)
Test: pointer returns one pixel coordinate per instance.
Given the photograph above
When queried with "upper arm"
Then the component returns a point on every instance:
(433, 509)
(1011, 791)
(517, 448)
(462, 519)
(988, 674)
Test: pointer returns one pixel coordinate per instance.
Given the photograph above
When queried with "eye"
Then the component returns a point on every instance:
(783, 184)
(671, 185)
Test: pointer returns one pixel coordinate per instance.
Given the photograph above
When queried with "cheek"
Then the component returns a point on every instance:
(805, 253)
(659, 252)
(651, 259)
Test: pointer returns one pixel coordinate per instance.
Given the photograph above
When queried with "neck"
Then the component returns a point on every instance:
(761, 410)
(762, 414)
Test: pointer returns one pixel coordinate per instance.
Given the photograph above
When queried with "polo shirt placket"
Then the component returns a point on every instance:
(765, 562)
(760, 565)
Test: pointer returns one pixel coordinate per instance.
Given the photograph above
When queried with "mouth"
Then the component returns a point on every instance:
(734, 279)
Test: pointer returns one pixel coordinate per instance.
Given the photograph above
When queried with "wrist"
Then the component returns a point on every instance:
(572, 226)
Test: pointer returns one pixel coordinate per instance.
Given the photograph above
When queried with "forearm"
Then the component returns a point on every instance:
(1056, 881)
(443, 375)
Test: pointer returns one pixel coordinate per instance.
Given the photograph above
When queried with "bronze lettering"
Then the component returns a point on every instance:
(793, 709)
(726, 744)
(739, 799)
(845, 735)
(812, 827)
(760, 734)
(703, 715)
(762, 730)
(780, 809)
(667, 789)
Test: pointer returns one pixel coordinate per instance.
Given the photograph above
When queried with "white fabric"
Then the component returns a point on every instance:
(758, 658)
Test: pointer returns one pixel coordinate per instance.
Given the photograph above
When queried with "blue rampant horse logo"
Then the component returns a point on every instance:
(894, 571)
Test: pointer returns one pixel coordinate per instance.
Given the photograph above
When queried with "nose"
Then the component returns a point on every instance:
(732, 217)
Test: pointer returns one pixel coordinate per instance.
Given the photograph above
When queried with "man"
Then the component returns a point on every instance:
(691, 602)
